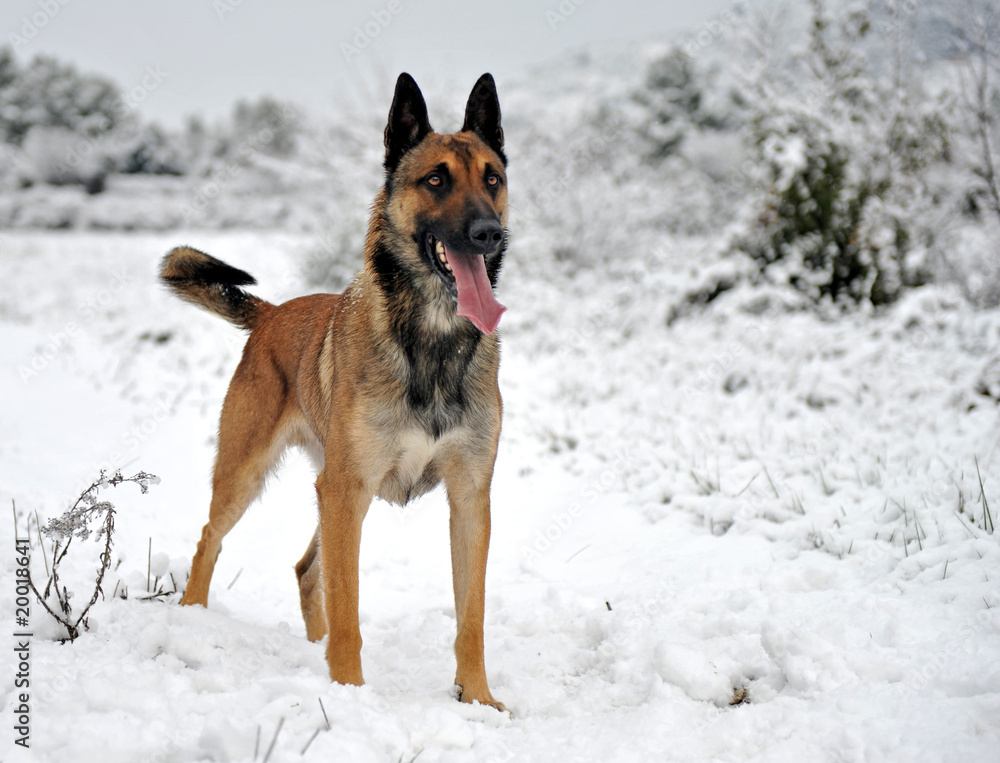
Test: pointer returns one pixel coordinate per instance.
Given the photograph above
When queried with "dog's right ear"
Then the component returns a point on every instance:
(482, 115)
(408, 123)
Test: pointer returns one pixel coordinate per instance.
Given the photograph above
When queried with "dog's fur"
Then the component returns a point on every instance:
(386, 385)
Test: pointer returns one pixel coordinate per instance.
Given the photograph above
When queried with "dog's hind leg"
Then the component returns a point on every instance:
(250, 443)
(309, 572)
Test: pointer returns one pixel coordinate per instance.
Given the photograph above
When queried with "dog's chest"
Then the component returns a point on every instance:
(436, 375)
(418, 441)
(415, 463)
(438, 412)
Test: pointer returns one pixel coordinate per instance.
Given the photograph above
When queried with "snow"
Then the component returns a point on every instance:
(751, 498)
(729, 528)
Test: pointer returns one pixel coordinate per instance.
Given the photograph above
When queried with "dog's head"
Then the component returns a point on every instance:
(445, 211)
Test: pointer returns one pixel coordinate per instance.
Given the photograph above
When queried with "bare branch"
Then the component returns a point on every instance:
(75, 523)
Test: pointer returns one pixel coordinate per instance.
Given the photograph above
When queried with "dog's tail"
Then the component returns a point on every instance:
(210, 283)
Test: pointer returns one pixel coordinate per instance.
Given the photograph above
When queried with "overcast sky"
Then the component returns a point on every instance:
(209, 53)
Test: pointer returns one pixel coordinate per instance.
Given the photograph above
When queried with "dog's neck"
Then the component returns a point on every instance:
(435, 347)
(416, 303)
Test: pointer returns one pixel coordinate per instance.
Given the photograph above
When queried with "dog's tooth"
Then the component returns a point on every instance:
(439, 249)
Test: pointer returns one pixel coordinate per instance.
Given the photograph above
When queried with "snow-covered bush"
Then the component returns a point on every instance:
(824, 227)
(673, 103)
(977, 120)
(151, 150)
(60, 156)
(69, 128)
(48, 93)
(846, 210)
(266, 125)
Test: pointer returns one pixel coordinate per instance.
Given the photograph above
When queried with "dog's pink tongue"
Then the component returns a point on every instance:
(475, 295)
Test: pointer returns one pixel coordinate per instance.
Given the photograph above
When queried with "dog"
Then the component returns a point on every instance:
(391, 386)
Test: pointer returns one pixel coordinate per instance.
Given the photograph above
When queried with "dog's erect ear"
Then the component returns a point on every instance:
(408, 124)
(482, 115)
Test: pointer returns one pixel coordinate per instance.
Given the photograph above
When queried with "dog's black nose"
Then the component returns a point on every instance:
(486, 234)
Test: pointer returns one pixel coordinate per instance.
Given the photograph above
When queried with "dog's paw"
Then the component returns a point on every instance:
(482, 698)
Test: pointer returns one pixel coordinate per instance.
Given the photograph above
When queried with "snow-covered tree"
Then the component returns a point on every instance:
(672, 103)
(48, 93)
(976, 30)
(265, 125)
(151, 150)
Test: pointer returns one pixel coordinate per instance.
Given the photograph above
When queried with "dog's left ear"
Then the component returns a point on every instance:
(482, 115)
(408, 123)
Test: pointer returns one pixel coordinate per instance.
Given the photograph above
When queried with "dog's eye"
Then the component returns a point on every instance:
(434, 180)
(493, 180)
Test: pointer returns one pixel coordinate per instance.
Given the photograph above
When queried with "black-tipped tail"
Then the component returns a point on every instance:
(201, 279)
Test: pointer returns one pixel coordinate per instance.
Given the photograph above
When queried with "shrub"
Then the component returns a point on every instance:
(75, 524)
(52, 155)
(842, 214)
(48, 93)
(672, 102)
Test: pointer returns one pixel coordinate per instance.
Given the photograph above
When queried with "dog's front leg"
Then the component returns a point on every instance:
(470, 541)
(343, 503)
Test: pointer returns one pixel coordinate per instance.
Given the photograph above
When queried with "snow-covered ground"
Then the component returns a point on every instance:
(749, 499)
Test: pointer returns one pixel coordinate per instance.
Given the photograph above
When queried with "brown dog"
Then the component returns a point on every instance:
(391, 386)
